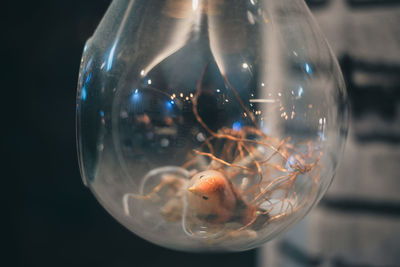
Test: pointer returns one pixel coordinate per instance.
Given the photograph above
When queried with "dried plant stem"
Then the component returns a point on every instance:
(269, 186)
(248, 154)
(222, 161)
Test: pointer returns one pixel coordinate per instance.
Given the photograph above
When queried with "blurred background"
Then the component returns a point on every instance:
(51, 219)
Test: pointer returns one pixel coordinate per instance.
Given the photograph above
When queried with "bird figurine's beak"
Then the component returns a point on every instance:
(193, 190)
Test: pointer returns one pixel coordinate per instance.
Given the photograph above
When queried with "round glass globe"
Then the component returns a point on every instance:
(209, 125)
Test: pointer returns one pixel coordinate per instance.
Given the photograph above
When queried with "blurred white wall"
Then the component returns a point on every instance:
(357, 223)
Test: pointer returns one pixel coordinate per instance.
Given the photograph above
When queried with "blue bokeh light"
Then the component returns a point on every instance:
(236, 126)
(136, 95)
(169, 104)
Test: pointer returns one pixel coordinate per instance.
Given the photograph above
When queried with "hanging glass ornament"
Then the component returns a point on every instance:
(209, 124)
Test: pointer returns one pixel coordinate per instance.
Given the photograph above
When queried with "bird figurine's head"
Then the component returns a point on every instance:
(210, 195)
(207, 183)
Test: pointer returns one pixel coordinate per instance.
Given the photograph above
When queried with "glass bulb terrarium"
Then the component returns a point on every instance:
(209, 125)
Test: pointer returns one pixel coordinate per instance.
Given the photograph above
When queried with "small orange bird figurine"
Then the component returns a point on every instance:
(216, 200)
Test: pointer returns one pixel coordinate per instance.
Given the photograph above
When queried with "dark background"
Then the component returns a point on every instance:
(55, 220)
(51, 219)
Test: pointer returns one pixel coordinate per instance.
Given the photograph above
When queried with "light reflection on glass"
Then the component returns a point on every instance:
(195, 4)
(308, 69)
(300, 91)
(110, 57)
(83, 94)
